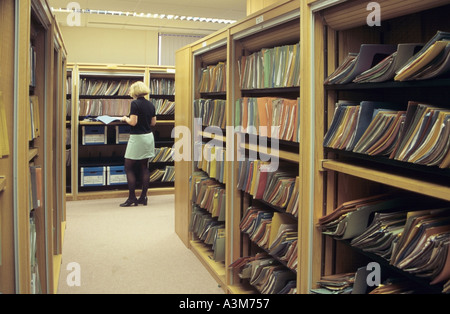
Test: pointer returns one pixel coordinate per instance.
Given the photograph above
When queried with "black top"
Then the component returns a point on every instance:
(145, 111)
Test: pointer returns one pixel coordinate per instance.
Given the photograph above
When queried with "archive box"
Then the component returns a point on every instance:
(93, 176)
(94, 135)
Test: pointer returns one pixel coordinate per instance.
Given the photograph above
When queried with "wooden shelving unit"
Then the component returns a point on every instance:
(341, 176)
(33, 60)
(80, 153)
(283, 28)
(327, 31)
(276, 25)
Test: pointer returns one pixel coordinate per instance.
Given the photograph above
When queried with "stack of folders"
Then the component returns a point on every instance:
(283, 240)
(210, 231)
(213, 78)
(266, 274)
(213, 161)
(256, 223)
(94, 87)
(376, 63)
(164, 175)
(412, 233)
(423, 246)
(417, 134)
(351, 218)
(293, 204)
(162, 154)
(162, 87)
(274, 187)
(208, 194)
(356, 63)
(356, 283)
(395, 286)
(163, 106)
(211, 111)
(156, 175)
(387, 68)
(98, 107)
(269, 117)
(274, 232)
(34, 120)
(271, 68)
(433, 60)
(335, 284)
(169, 174)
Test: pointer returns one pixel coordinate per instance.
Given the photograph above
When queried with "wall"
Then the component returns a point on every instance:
(108, 45)
(256, 5)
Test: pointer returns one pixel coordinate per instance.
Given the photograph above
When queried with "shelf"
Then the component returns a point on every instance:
(261, 92)
(434, 172)
(216, 269)
(401, 181)
(118, 194)
(219, 95)
(391, 85)
(162, 96)
(294, 157)
(165, 122)
(104, 97)
(122, 123)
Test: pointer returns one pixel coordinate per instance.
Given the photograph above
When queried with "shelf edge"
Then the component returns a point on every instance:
(403, 182)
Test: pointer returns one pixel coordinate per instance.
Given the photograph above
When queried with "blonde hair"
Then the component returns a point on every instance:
(139, 89)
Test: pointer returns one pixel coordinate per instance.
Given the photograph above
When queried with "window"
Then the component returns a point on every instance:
(169, 43)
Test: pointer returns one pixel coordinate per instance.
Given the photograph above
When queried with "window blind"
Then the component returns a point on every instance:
(170, 43)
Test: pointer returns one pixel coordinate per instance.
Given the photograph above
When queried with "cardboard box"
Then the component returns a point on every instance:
(93, 176)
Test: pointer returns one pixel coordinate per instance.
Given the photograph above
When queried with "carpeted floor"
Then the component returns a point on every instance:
(128, 251)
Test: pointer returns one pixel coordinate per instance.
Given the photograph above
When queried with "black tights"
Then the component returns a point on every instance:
(133, 168)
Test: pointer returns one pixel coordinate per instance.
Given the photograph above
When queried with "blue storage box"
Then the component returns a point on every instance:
(93, 176)
(116, 175)
(94, 135)
(122, 134)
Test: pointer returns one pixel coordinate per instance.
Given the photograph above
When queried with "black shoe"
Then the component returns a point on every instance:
(142, 201)
(129, 203)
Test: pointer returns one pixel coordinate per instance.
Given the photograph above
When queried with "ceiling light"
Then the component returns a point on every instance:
(148, 15)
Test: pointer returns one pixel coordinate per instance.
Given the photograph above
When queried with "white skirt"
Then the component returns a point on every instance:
(140, 146)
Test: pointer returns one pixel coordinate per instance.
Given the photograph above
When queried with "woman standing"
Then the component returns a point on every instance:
(141, 145)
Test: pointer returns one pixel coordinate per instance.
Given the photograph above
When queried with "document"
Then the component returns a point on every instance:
(107, 119)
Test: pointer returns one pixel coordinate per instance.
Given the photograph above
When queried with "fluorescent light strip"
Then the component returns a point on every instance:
(146, 15)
